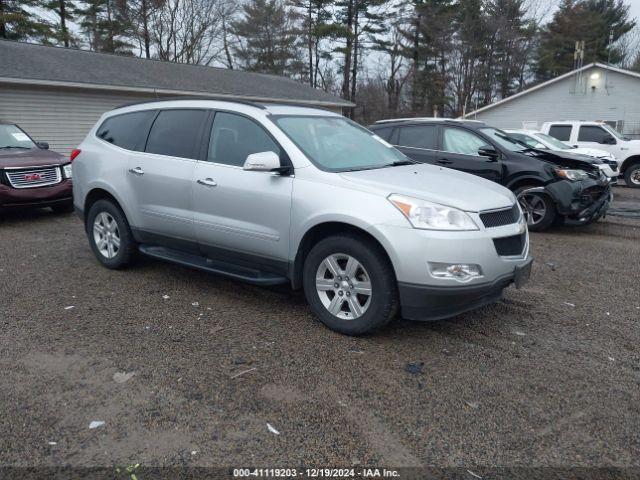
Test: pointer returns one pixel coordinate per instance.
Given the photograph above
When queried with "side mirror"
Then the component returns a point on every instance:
(264, 162)
(488, 151)
(609, 140)
(43, 145)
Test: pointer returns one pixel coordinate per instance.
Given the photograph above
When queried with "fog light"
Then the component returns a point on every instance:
(458, 271)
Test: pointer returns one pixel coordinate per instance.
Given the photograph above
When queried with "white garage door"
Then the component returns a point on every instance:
(61, 117)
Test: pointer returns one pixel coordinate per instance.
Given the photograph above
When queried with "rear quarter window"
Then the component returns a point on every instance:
(561, 132)
(128, 130)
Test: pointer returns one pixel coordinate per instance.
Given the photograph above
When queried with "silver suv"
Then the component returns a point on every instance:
(273, 194)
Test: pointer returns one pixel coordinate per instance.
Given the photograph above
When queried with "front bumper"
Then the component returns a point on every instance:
(36, 197)
(584, 201)
(429, 303)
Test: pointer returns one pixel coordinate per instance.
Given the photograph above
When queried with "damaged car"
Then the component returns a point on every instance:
(551, 186)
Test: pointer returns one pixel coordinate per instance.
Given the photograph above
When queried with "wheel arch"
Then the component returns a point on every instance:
(632, 160)
(525, 181)
(323, 230)
(99, 193)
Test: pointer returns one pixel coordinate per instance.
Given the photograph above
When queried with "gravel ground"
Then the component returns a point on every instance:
(549, 377)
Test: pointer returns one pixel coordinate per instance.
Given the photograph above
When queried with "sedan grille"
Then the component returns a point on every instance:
(34, 177)
(510, 246)
(500, 218)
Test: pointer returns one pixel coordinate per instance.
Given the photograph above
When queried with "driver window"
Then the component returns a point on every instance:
(456, 140)
(234, 138)
(590, 133)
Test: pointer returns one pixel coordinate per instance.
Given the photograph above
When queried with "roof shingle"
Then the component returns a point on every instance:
(25, 61)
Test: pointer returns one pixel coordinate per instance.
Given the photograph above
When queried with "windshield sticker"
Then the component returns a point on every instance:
(21, 137)
(382, 141)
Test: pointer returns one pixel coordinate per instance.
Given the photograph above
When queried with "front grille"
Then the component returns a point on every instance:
(499, 218)
(510, 246)
(34, 177)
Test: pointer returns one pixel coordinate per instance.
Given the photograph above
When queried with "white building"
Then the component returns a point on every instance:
(595, 92)
(57, 94)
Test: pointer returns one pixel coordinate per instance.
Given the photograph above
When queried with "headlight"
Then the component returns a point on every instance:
(432, 216)
(67, 171)
(573, 175)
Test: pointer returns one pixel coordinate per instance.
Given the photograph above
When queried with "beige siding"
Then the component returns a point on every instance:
(59, 116)
(559, 101)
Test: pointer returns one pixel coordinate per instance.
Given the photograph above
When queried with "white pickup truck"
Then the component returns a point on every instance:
(602, 136)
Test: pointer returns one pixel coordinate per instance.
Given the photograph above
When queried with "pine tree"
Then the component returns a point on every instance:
(267, 38)
(64, 10)
(591, 21)
(106, 25)
(18, 22)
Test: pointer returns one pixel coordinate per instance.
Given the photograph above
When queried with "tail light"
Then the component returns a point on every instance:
(74, 153)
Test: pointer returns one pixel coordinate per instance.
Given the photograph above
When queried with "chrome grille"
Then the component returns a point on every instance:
(500, 218)
(34, 177)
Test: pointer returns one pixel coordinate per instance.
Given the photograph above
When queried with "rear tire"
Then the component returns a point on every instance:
(538, 208)
(632, 175)
(350, 284)
(110, 235)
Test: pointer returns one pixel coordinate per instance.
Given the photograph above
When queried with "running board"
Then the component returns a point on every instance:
(249, 275)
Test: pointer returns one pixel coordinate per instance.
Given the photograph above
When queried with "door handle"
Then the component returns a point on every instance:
(208, 182)
(136, 171)
(444, 161)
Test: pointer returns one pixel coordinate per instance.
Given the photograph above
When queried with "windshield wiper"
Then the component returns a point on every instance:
(399, 163)
(14, 146)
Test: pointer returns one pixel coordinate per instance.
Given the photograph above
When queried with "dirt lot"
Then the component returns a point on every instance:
(548, 377)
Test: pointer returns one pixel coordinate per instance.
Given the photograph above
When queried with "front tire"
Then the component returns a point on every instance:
(538, 208)
(350, 284)
(109, 235)
(632, 176)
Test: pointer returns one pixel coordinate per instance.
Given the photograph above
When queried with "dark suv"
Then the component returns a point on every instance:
(550, 186)
(30, 174)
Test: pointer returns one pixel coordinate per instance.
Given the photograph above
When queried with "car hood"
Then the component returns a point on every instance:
(437, 184)
(591, 152)
(564, 159)
(35, 157)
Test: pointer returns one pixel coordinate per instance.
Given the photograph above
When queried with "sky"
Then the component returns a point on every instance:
(635, 9)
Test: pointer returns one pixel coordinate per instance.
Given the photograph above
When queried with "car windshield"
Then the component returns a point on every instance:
(504, 139)
(614, 132)
(338, 144)
(553, 142)
(12, 137)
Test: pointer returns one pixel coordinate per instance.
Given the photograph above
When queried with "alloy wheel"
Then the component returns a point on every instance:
(106, 235)
(344, 286)
(533, 207)
(635, 177)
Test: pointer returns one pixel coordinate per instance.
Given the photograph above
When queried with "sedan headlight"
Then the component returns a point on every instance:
(67, 171)
(573, 175)
(432, 216)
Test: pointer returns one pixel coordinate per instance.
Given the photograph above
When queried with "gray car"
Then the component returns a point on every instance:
(274, 194)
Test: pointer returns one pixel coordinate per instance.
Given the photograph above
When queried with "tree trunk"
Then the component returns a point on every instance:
(346, 71)
(356, 45)
(310, 40)
(3, 26)
(63, 23)
(145, 28)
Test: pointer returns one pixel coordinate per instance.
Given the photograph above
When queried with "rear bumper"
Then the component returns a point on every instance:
(36, 197)
(429, 303)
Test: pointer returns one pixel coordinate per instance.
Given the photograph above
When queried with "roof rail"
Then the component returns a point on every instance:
(202, 97)
(427, 119)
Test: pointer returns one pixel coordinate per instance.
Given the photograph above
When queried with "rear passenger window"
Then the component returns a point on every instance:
(235, 137)
(419, 136)
(177, 133)
(384, 133)
(592, 134)
(128, 130)
(561, 132)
